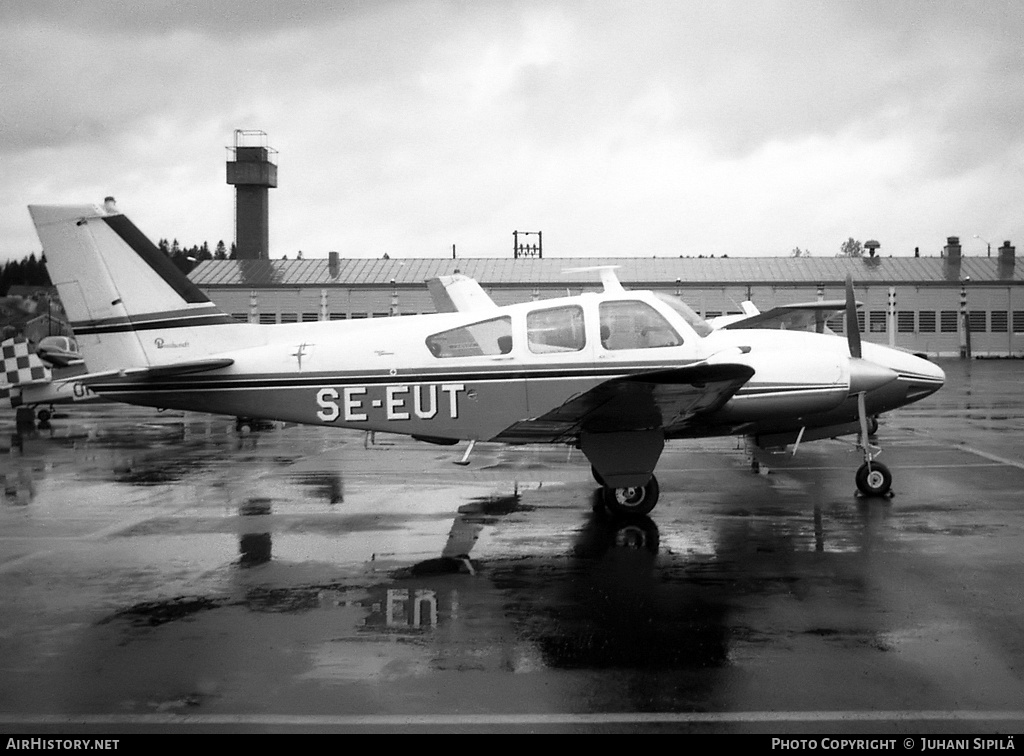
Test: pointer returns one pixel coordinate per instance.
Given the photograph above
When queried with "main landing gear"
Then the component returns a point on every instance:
(631, 500)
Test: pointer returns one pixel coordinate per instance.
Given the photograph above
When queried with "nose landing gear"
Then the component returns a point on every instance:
(874, 479)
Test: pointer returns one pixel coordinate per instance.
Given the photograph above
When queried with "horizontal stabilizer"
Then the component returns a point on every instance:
(143, 374)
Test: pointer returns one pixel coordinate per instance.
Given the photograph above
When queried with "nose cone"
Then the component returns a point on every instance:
(868, 376)
(925, 378)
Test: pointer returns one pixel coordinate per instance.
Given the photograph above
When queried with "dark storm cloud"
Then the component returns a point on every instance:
(739, 125)
(153, 17)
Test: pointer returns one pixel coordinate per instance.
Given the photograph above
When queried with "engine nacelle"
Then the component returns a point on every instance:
(789, 383)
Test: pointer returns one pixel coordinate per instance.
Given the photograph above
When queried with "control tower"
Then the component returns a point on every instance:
(252, 172)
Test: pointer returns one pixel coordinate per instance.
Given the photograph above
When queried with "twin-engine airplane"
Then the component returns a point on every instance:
(616, 373)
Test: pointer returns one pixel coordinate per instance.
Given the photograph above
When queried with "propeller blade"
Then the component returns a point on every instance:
(862, 416)
(852, 328)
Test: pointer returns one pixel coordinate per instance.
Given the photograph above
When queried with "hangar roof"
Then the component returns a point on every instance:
(689, 271)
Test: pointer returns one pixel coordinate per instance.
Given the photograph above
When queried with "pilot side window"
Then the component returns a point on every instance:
(635, 325)
(556, 329)
(478, 339)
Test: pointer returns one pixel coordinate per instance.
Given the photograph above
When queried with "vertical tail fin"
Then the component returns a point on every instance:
(115, 284)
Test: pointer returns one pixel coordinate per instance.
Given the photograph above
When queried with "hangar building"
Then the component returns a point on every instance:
(918, 303)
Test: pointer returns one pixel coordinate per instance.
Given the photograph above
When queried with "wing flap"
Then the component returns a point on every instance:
(662, 399)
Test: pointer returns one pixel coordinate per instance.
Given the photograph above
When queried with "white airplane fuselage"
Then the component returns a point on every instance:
(379, 375)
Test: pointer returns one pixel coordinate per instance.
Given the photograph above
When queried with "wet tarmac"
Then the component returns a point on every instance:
(162, 572)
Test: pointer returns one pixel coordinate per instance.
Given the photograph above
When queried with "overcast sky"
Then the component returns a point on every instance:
(616, 128)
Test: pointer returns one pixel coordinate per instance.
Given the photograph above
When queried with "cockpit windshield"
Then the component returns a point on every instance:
(696, 321)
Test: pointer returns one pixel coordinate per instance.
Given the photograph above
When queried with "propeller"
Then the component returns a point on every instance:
(864, 375)
(852, 327)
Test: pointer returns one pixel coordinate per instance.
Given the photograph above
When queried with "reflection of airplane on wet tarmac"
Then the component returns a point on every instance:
(28, 380)
(616, 373)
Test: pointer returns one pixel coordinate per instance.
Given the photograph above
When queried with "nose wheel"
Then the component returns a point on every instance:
(874, 479)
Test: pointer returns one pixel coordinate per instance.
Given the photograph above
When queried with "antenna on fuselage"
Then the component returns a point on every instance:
(609, 280)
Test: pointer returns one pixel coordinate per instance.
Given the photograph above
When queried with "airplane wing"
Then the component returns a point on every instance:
(802, 316)
(458, 293)
(668, 399)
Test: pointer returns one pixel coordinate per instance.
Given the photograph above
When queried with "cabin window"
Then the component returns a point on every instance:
(556, 329)
(635, 325)
(489, 337)
(696, 322)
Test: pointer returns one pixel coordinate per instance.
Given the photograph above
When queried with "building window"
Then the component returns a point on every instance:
(356, 315)
(978, 321)
(487, 337)
(381, 314)
(241, 317)
(712, 314)
(556, 329)
(289, 317)
(878, 321)
(1018, 321)
(338, 316)
(947, 321)
(1000, 321)
(310, 317)
(905, 321)
(268, 318)
(926, 321)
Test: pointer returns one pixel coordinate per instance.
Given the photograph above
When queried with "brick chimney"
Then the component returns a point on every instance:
(952, 250)
(1007, 254)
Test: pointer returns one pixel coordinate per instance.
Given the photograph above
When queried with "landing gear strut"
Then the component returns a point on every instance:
(632, 500)
(873, 478)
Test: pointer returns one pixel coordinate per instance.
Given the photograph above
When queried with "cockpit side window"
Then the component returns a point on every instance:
(488, 337)
(556, 329)
(635, 325)
(701, 326)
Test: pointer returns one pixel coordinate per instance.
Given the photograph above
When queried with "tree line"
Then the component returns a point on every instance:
(31, 270)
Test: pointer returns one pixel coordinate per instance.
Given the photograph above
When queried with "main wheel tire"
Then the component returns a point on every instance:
(874, 479)
(44, 415)
(632, 500)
